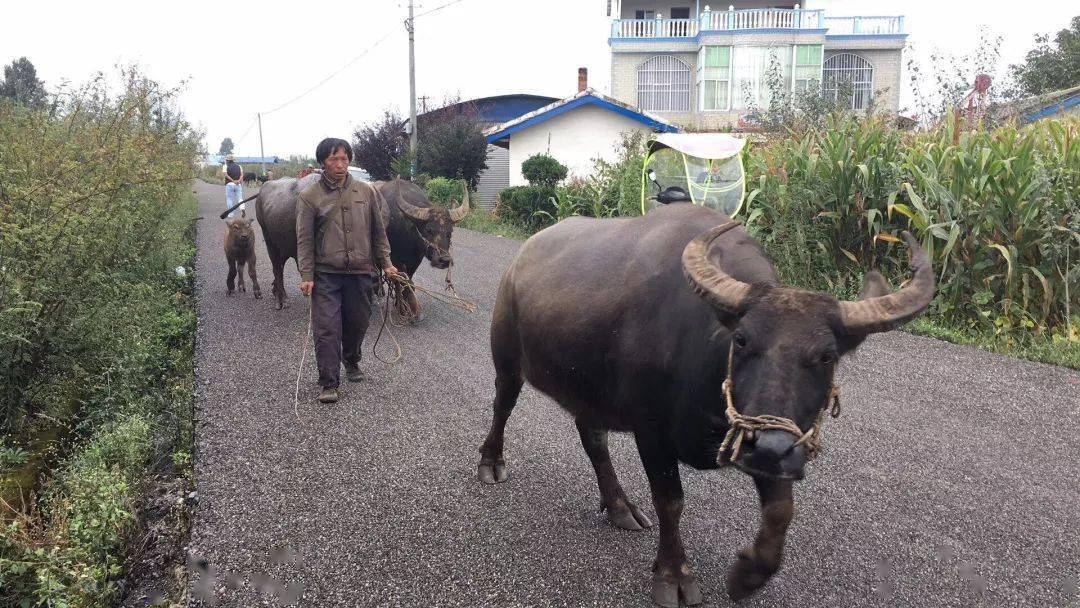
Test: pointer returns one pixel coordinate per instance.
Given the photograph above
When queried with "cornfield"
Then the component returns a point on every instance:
(997, 210)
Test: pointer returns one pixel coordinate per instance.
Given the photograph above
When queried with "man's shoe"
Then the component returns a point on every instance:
(353, 374)
(329, 395)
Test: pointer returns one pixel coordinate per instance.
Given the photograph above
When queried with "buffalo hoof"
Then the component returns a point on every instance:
(628, 516)
(415, 320)
(491, 472)
(258, 295)
(280, 305)
(669, 585)
(228, 293)
(243, 289)
(747, 575)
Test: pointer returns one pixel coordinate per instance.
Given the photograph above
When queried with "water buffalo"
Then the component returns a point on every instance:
(275, 208)
(414, 227)
(240, 251)
(416, 230)
(678, 331)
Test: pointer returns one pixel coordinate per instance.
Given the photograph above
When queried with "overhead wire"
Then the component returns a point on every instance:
(328, 78)
(437, 8)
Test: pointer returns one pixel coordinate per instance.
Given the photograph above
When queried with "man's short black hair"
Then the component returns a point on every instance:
(330, 146)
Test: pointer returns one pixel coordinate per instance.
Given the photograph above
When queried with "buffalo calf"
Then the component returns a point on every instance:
(240, 250)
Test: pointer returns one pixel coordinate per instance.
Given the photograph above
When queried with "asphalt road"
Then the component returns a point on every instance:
(951, 479)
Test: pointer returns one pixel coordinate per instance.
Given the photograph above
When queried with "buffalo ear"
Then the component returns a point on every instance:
(250, 222)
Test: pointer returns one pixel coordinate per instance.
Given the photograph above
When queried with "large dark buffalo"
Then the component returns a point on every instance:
(415, 228)
(629, 325)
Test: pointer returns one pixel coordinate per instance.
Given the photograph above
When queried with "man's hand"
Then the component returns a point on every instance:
(306, 287)
(392, 272)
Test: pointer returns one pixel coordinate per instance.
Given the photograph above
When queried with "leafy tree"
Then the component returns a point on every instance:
(453, 146)
(227, 146)
(21, 84)
(1051, 66)
(378, 144)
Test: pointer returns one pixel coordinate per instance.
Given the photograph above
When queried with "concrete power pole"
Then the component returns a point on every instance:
(262, 154)
(411, 26)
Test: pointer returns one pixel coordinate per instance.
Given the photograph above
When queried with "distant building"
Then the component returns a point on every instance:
(219, 159)
(575, 131)
(703, 65)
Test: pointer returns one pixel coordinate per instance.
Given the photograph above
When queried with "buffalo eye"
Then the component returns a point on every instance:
(827, 358)
(739, 340)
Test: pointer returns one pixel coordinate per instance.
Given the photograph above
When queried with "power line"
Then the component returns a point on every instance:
(437, 8)
(339, 71)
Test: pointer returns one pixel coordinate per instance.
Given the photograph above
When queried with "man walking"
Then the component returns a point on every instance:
(340, 243)
(234, 177)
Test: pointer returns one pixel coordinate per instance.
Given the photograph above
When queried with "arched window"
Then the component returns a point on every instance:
(663, 85)
(848, 80)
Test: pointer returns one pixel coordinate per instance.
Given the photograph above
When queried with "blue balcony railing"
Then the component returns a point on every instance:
(755, 19)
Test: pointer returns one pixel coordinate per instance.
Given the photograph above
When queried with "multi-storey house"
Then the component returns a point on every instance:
(706, 66)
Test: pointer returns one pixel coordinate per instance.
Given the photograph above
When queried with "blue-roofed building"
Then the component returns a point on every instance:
(491, 111)
(575, 131)
(219, 159)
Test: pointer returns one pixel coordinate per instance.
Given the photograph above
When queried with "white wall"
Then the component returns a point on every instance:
(574, 139)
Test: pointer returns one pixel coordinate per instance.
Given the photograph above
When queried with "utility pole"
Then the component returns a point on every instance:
(262, 155)
(410, 25)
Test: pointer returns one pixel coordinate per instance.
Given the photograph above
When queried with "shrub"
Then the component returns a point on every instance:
(543, 170)
(526, 205)
(442, 191)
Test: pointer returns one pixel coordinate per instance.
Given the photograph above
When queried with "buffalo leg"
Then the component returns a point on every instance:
(230, 281)
(672, 576)
(755, 565)
(620, 511)
(240, 275)
(278, 286)
(416, 312)
(254, 277)
(492, 467)
(506, 355)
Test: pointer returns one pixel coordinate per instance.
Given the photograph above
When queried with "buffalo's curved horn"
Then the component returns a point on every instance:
(420, 214)
(893, 310)
(706, 278)
(458, 213)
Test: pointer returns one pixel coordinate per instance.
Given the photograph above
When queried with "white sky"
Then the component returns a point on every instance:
(258, 55)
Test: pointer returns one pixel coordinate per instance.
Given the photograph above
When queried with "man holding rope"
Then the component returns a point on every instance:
(234, 179)
(341, 244)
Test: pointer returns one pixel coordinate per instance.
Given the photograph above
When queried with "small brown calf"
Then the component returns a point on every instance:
(240, 250)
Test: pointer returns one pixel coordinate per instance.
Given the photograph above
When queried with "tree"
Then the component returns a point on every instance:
(378, 144)
(452, 145)
(227, 146)
(21, 84)
(1051, 66)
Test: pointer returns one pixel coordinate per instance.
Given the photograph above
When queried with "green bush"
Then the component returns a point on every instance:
(96, 329)
(444, 192)
(543, 170)
(527, 206)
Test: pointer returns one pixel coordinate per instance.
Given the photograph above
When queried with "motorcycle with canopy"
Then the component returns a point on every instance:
(699, 168)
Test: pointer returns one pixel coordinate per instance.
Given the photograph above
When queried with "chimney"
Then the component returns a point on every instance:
(582, 79)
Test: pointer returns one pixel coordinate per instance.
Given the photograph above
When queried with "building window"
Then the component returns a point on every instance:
(644, 14)
(680, 12)
(807, 67)
(750, 69)
(714, 77)
(663, 85)
(848, 80)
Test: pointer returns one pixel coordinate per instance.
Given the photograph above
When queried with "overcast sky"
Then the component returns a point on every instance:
(260, 55)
